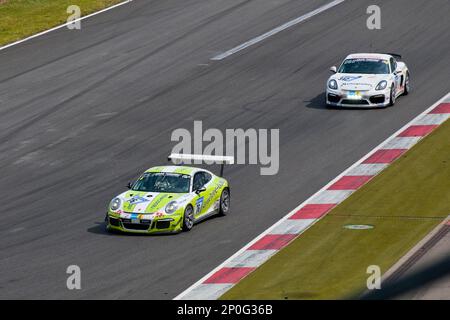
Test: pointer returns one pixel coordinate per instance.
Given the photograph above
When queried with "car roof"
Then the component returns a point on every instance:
(382, 56)
(176, 169)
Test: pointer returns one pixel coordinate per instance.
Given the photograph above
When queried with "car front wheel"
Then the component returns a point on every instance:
(392, 97)
(188, 218)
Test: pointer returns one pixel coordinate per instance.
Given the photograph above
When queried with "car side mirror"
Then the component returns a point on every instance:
(200, 190)
(129, 185)
(333, 69)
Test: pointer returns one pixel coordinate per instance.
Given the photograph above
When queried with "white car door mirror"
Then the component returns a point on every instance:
(333, 69)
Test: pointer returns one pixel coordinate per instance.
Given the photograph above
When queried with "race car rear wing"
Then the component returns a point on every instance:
(395, 55)
(222, 160)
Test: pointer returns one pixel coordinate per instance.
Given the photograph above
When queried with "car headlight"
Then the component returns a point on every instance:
(115, 204)
(332, 84)
(382, 85)
(171, 207)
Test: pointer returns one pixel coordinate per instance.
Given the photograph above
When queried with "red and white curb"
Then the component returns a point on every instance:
(255, 253)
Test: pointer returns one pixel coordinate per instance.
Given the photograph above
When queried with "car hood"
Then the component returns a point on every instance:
(362, 82)
(149, 202)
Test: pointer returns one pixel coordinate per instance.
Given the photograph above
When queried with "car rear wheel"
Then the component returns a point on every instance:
(407, 85)
(188, 218)
(225, 201)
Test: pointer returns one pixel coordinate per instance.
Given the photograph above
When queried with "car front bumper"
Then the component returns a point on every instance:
(358, 99)
(147, 226)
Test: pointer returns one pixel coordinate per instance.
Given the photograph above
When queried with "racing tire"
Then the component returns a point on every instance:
(407, 85)
(110, 230)
(224, 204)
(188, 218)
(392, 97)
(107, 228)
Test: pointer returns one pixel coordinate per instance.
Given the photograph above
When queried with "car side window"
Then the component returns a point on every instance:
(207, 177)
(393, 65)
(197, 183)
(201, 179)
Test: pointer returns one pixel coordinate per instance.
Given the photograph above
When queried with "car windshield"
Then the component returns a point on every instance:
(365, 66)
(163, 182)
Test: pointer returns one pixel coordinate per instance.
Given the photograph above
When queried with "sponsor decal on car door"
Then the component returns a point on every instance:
(199, 206)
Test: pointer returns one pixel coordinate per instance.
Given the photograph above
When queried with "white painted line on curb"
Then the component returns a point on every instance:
(401, 142)
(368, 169)
(203, 291)
(277, 30)
(331, 196)
(64, 25)
(251, 258)
(292, 226)
(432, 119)
(199, 290)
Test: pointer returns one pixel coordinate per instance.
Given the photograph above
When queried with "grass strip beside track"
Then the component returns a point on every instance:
(403, 203)
(22, 18)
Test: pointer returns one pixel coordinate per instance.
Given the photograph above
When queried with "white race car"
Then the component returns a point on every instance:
(368, 80)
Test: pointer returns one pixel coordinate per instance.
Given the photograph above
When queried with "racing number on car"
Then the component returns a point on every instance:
(199, 205)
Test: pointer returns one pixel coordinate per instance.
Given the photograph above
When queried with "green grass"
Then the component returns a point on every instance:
(404, 203)
(22, 18)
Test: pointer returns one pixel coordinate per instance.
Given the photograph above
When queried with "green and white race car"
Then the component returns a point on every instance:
(168, 199)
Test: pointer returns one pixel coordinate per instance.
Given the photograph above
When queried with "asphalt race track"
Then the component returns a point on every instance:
(84, 112)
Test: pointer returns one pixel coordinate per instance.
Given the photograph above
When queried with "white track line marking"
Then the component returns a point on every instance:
(198, 286)
(277, 30)
(64, 25)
